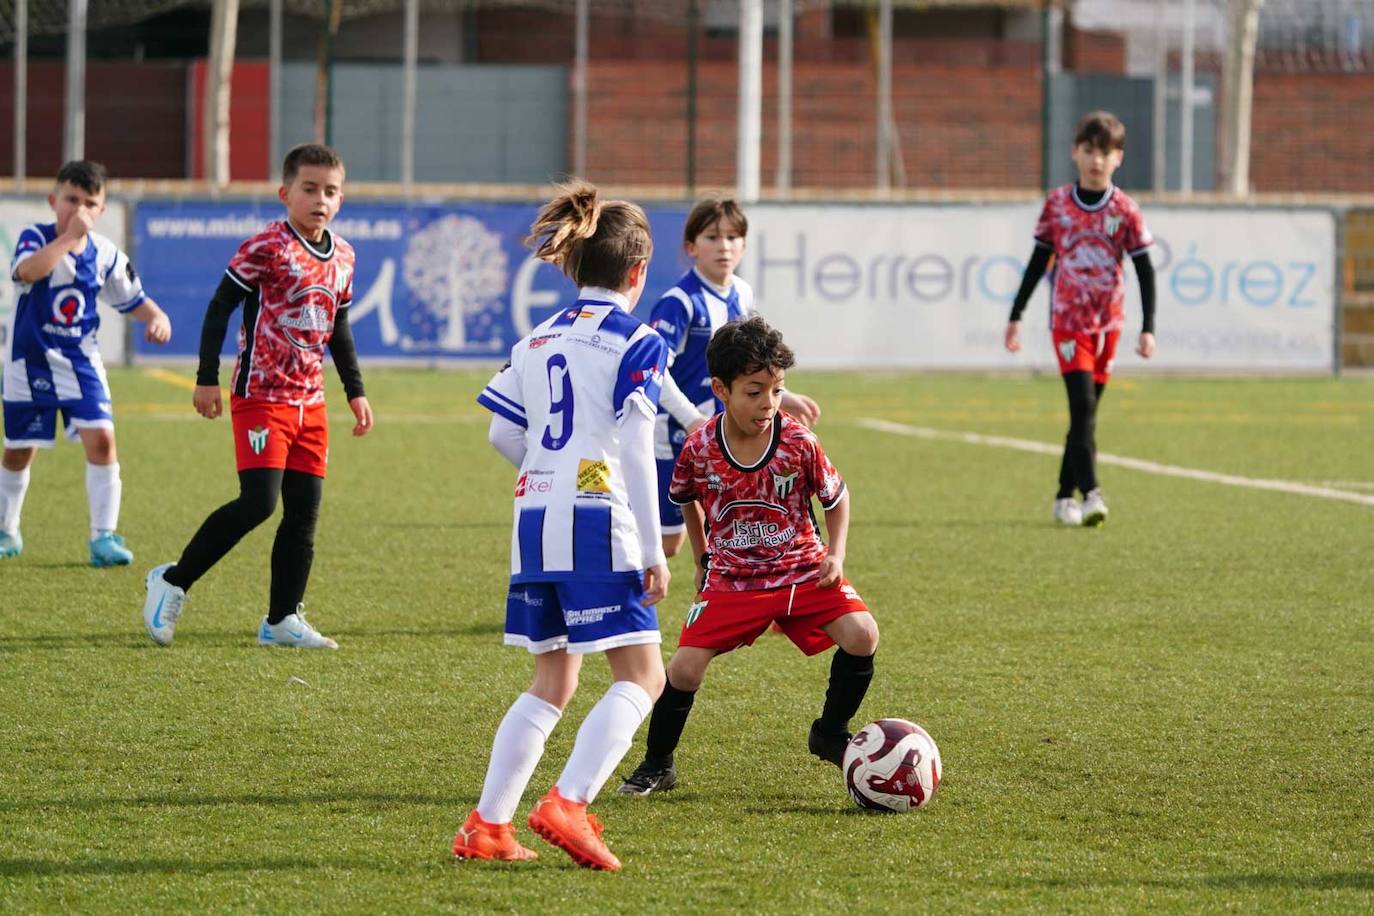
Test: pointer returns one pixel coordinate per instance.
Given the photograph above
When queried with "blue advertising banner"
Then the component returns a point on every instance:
(441, 281)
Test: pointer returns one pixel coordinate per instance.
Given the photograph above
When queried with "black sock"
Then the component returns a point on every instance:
(293, 550)
(850, 676)
(226, 526)
(666, 724)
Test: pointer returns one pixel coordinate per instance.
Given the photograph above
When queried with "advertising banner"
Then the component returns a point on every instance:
(14, 216)
(931, 286)
(431, 282)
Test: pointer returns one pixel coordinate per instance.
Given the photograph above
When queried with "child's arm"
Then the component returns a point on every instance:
(1035, 269)
(696, 534)
(345, 354)
(1145, 272)
(837, 533)
(158, 327)
(508, 439)
(206, 398)
(641, 488)
(41, 263)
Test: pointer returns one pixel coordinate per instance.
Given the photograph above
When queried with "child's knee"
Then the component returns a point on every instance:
(17, 459)
(100, 446)
(861, 636)
(687, 670)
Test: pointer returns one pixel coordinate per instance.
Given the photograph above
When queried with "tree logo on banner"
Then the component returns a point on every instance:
(457, 270)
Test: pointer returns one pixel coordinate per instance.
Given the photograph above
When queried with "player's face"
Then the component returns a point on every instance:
(312, 198)
(67, 199)
(1095, 165)
(717, 250)
(751, 401)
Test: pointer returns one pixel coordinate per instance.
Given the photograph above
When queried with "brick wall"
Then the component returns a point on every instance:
(1312, 132)
(985, 135)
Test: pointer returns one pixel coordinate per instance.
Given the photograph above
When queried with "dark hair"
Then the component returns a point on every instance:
(309, 154)
(83, 173)
(594, 242)
(1100, 130)
(743, 347)
(711, 210)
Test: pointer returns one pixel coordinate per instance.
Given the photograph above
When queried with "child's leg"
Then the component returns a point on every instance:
(14, 484)
(851, 671)
(1082, 428)
(519, 741)
(226, 526)
(104, 489)
(686, 671)
(607, 732)
(293, 551)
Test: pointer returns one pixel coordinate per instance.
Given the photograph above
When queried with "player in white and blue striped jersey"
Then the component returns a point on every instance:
(61, 270)
(574, 412)
(688, 316)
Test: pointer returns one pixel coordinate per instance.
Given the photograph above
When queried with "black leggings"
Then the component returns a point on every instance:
(1078, 469)
(293, 551)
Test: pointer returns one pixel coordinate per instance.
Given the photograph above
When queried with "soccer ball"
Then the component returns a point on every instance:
(892, 765)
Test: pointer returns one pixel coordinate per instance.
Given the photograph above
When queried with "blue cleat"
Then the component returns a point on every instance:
(108, 550)
(11, 545)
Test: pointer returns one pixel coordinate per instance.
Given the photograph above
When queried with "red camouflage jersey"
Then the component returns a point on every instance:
(1089, 290)
(294, 290)
(759, 527)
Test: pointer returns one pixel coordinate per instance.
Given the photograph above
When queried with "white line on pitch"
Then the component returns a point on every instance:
(1136, 464)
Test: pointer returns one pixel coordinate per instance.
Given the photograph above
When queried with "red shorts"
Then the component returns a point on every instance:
(269, 434)
(725, 620)
(1078, 352)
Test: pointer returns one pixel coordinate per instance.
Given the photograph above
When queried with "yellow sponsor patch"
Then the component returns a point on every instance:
(593, 476)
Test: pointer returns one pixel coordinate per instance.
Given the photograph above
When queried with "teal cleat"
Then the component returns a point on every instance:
(11, 545)
(108, 550)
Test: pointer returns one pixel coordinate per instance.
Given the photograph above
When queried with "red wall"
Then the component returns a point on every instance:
(250, 113)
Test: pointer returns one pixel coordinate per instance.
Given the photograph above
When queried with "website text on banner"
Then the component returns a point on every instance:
(432, 282)
(14, 216)
(931, 286)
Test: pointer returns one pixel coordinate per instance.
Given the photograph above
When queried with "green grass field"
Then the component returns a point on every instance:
(1173, 712)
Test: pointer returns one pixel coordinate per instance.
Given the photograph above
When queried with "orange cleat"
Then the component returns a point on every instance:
(477, 839)
(568, 826)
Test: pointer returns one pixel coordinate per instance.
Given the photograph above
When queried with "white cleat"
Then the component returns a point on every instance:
(1068, 512)
(1094, 509)
(293, 632)
(162, 608)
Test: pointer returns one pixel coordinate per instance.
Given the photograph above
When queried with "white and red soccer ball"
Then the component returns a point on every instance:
(892, 765)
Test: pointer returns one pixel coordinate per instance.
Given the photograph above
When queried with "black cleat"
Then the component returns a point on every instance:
(649, 778)
(828, 747)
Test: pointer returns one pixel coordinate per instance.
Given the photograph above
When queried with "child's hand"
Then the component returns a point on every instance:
(362, 412)
(1013, 336)
(1146, 345)
(800, 406)
(206, 401)
(81, 222)
(655, 584)
(158, 330)
(832, 571)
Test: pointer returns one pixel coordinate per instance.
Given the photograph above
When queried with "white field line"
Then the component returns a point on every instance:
(1135, 464)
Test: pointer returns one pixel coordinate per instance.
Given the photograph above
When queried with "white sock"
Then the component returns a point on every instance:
(13, 486)
(516, 749)
(103, 490)
(603, 739)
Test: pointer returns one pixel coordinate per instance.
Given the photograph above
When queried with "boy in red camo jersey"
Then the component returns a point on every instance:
(1088, 227)
(295, 279)
(745, 481)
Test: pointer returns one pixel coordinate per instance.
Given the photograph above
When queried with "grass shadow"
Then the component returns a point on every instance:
(253, 799)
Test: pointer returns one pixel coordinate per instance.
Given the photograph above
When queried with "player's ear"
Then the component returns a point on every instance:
(281, 193)
(719, 389)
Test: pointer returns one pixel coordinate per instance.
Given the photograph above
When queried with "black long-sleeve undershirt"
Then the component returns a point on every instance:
(228, 296)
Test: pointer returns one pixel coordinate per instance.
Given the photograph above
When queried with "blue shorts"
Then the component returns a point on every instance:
(29, 425)
(580, 616)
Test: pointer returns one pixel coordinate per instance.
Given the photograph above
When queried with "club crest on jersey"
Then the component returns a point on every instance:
(593, 476)
(694, 612)
(257, 439)
(783, 483)
(1111, 223)
(1066, 349)
(68, 306)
